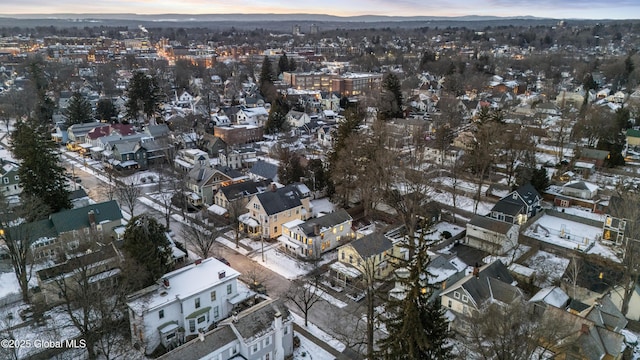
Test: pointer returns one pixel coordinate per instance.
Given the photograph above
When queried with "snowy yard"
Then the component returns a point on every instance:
(308, 350)
(565, 233)
(549, 268)
(317, 332)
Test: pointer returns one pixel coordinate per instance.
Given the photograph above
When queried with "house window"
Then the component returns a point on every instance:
(197, 302)
(266, 356)
(213, 295)
(286, 330)
(192, 325)
(201, 319)
(216, 312)
(342, 254)
(464, 298)
(456, 295)
(450, 304)
(161, 314)
(228, 289)
(267, 341)
(5, 180)
(254, 348)
(338, 238)
(16, 178)
(275, 229)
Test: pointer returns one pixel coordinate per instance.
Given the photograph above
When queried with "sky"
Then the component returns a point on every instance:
(585, 9)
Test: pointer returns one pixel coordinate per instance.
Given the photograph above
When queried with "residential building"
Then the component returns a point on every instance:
(263, 170)
(187, 159)
(185, 303)
(10, 181)
(241, 191)
(77, 133)
(518, 206)
(494, 236)
(238, 158)
(316, 236)
(369, 255)
(270, 209)
(491, 282)
(97, 268)
(204, 181)
(263, 331)
(297, 119)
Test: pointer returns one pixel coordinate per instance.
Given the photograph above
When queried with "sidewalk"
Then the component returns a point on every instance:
(322, 344)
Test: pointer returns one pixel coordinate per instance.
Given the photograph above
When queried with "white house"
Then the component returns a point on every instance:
(187, 301)
(264, 331)
(252, 116)
(297, 119)
(494, 236)
(580, 189)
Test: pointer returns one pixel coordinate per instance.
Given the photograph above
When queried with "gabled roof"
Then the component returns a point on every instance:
(259, 319)
(197, 349)
(497, 226)
(75, 219)
(265, 169)
(371, 245)
(553, 296)
(604, 313)
(508, 206)
(79, 263)
(280, 200)
(493, 281)
(325, 222)
(528, 193)
(243, 189)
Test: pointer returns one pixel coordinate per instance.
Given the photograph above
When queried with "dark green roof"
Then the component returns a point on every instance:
(633, 133)
(74, 219)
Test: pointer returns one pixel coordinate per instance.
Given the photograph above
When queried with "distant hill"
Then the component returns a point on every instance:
(273, 22)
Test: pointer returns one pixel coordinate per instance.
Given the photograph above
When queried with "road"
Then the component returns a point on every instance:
(323, 314)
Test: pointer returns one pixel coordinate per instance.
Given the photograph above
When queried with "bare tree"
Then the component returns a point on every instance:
(19, 230)
(573, 273)
(201, 237)
(514, 332)
(92, 296)
(128, 194)
(304, 294)
(235, 208)
(8, 332)
(165, 195)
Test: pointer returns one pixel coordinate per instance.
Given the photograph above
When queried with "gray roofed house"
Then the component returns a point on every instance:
(157, 131)
(319, 234)
(518, 206)
(369, 255)
(264, 170)
(204, 181)
(492, 282)
(281, 199)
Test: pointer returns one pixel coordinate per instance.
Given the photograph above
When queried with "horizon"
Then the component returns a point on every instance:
(549, 9)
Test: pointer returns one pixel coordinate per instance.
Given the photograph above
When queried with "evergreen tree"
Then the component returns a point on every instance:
(79, 110)
(391, 99)
(417, 327)
(144, 96)
(277, 120)
(40, 174)
(539, 179)
(283, 64)
(105, 110)
(292, 64)
(290, 169)
(267, 77)
(145, 241)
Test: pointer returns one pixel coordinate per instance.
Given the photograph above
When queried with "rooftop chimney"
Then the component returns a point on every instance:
(584, 329)
(316, 229)
(199, 261)
(92, 217)
(274, 187)
(165, 282)
(476, 271)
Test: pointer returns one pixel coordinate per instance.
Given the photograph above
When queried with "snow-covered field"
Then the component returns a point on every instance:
(565, 233)
(549, 268)
(308, 350)
(317, 332)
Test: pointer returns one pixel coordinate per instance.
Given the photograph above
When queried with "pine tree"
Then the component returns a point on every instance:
(267, 77)
(145, 241)
(391, 99)
(40, 174)
(416, 324)
(277, 120)
(79, 110)
(144, 96)
(283, 63)
(105, 110)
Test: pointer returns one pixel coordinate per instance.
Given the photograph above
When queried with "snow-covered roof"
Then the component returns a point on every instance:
(552, 295)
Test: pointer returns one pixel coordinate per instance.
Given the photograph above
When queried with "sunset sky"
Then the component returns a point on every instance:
(592, 9)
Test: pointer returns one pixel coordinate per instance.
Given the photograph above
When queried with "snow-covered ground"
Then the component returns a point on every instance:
(435, 232)
(462, 202)
(327, 297)
(322, 206)
(317, 332)
(565, 233)
(549, 268)
(308, 350)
